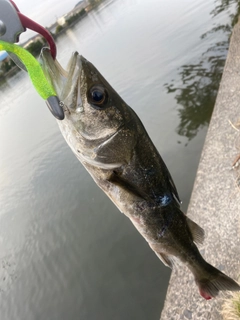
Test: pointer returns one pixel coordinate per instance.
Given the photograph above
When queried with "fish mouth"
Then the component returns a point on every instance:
(63, 80)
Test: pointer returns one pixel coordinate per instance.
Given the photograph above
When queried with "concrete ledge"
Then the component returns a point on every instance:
(215, 201)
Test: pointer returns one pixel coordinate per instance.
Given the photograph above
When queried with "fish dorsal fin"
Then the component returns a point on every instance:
(196, 231)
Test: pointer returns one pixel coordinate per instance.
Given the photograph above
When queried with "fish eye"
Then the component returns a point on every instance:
(98, 97)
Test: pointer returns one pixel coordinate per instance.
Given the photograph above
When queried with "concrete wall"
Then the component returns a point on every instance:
(215, 201)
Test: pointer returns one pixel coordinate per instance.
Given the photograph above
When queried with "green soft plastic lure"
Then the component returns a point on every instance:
(36, 74)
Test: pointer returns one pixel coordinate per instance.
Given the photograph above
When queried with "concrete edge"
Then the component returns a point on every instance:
(215, 200)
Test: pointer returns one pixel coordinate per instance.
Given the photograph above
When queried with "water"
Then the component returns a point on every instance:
(65, 250)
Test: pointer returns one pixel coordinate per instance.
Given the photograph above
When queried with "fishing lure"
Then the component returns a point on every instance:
(12, 24)
(36, 74)
(42, 86)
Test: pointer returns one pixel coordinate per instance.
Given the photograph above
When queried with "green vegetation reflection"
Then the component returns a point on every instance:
(200, 82)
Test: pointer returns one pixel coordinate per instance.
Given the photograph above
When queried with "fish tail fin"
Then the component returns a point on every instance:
(212, 281)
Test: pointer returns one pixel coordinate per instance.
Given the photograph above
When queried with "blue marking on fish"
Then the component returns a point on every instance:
(165, 200)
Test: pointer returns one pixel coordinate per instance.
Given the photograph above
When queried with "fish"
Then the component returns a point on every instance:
(109, 139)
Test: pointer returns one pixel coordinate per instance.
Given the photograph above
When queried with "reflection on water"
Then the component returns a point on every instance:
(224, 5)
(200, 81)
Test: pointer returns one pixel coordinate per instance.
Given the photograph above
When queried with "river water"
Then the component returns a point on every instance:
(65, 250)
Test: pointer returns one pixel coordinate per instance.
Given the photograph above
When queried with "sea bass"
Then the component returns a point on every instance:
(111, 142)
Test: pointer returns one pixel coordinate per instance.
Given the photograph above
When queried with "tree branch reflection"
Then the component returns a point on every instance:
(200, 82)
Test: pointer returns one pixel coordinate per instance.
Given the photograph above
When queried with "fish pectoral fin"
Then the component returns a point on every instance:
(167, 260)
(126, 185)
(196, 231)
